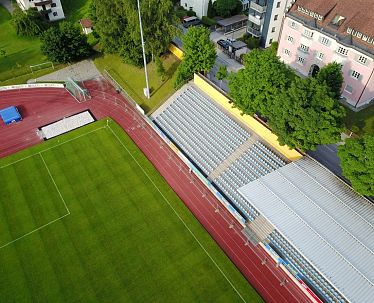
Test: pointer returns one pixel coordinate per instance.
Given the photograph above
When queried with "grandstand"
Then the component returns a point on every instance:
(249, 174)
(321, 226)
(228, 153)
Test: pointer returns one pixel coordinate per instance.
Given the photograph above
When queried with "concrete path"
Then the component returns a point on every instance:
(8, 5)
(80, 71)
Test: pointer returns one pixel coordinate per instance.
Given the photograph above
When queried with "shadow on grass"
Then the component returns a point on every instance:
(169, 73)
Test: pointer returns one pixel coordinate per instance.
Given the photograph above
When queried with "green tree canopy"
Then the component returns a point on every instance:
(110, 21)
(357, 162)
(65, 43)
(210, 13)
(332, 76)
(28, 23)
(253, 88)
(117, 24)
(199, 54)
(222, 73)
(305, 115)
(227, 8)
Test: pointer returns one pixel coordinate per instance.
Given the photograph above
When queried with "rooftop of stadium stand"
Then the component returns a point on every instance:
(325, 220)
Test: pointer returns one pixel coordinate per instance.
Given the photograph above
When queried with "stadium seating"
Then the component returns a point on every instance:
(209, 136)
(204, 132)
(324, 287)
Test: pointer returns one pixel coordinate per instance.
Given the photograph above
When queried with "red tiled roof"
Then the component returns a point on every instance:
(87, 23)
(358, 16)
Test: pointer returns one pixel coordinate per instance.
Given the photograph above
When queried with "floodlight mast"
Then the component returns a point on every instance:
(143, 48)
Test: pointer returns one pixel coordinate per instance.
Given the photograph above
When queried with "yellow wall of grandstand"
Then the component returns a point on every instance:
(252, 123)
(176, 51)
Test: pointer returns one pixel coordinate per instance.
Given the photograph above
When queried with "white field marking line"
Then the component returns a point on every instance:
(53, 221)
(54, 182)
(179, 217)
(35, 230)
(49, 148)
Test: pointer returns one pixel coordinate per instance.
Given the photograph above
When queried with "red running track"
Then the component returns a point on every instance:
(42, 106)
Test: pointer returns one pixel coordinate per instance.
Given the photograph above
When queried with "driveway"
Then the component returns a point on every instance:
(80, 71)
(8, 5)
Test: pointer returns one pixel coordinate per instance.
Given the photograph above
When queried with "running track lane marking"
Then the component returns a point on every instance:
(49, 223)
(179, 217)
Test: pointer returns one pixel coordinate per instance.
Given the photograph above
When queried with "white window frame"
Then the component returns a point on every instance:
(327, 41)
(355, 75)
(342, 51)
(290, 39)
(302, 61)
(308, 33)
(320, 56)
(287, 52)
(304, 48)
(362, 59)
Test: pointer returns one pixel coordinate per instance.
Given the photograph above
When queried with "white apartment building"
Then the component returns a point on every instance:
(265, 19)
(200, 7)
(51, 9)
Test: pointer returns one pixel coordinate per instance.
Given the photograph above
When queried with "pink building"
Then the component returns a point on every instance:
(317, 32)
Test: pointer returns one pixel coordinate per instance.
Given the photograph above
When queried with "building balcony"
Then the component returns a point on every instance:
(254, 32)
(258, 7)
(43, 2)
(256, 19)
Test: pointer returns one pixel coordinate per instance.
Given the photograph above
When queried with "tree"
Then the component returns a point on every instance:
(254, 88)
(2, 53)
(110, 19)
(199, 54)
(221, 73)
(160, 68)
(210, 12)
(117, 24)
(332, 76)
(227, 8)
(65, 43)
(305, 115)
(160, 25)
(357, 162)
(29, 22)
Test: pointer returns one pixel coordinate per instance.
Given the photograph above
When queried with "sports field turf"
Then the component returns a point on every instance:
(84, 218)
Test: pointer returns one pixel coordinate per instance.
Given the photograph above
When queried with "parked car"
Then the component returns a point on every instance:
(224, 44)
(190, 21)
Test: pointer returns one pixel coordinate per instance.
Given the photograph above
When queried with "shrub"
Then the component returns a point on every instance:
(208, 21)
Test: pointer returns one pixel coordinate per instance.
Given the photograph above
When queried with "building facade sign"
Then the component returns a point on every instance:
(309, 13)
(360, 35)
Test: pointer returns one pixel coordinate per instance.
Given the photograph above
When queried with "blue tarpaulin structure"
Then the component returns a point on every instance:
(10, 115)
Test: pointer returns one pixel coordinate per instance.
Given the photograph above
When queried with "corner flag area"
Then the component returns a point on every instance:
(85, 217)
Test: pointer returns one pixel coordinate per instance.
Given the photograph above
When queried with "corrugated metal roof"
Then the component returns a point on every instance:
(324, 219)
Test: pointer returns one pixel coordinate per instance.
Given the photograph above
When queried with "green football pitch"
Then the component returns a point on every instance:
(85, 217)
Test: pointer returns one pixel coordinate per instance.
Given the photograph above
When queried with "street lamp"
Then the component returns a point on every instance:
(146, 90)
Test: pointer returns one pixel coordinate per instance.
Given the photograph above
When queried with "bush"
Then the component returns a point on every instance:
(181, 12)
(252, 42)
(191, 14)
(208, 21)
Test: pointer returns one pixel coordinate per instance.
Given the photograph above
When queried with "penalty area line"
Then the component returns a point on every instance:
(178, 216)
(49, 223)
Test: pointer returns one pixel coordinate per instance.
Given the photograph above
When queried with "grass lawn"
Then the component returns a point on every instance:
(21, 52)
(81, 221)
(363, 119)
(132, 79)
(75, 9)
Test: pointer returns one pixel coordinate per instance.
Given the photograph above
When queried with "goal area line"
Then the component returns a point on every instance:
(50, 222)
